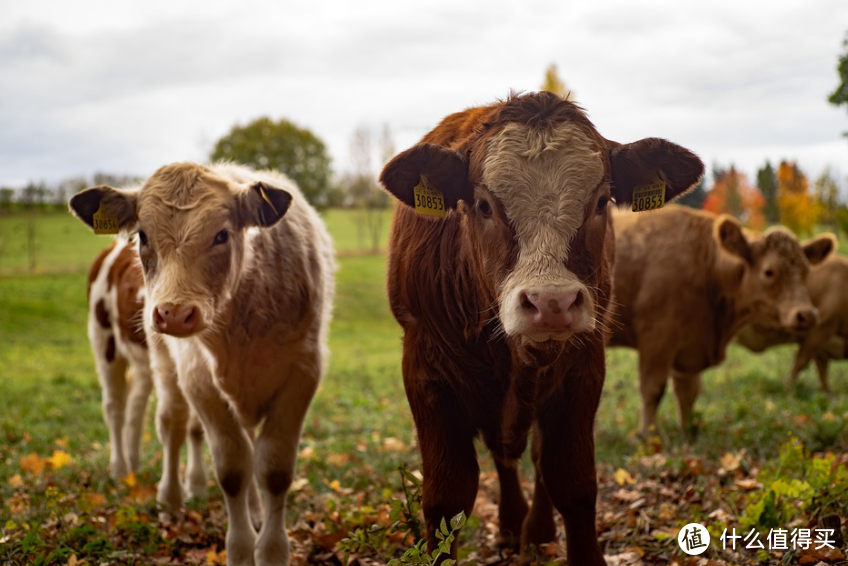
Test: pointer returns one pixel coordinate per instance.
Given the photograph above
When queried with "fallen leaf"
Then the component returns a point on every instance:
(96, 499)
(215, 558)
(32, 463)
(129, 480)
(16, 481)
(59, 459)
(622, 477)
(730, 461)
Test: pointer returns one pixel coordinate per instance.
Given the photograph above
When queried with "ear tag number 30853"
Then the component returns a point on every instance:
(649, 196)
(104, 223)
(428, 202)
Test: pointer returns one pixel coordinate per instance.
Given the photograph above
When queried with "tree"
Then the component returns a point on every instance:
(839, 96)
(797, 208)
(767, 183)
(827, 198)
(555, 84)
(361, 186)
(281, 146)
(733, 194)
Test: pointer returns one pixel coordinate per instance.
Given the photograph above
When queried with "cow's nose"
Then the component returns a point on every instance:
(176, 320)
(551, 309)
(805, 319)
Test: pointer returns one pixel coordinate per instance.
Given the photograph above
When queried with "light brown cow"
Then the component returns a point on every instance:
(687, 281)
(239, 285)
(503, 302)
(119, 345)
(827, 284)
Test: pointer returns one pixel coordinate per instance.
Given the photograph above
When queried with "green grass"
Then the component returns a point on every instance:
(359, 428)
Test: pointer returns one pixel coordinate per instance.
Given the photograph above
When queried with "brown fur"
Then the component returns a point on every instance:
(686, 281)
(463, 373)
(126, 276)
(828, 340)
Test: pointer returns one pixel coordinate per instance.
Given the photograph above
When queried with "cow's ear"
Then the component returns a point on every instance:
(819, 248)
(729, 235)
(263, 205)
(640, 163)
(105, 209)
(443, 169)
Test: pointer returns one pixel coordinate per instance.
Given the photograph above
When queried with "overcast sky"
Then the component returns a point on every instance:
(124, 87)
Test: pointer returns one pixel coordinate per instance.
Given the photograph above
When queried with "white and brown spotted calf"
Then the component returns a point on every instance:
(238, 272)
(119, 345)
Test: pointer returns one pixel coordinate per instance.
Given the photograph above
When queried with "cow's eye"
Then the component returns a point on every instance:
(221, 238)
(485, 208)
(769, 273)
(602, 205)
(142, 238)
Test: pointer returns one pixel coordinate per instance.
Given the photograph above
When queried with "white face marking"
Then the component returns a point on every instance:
(545, 180)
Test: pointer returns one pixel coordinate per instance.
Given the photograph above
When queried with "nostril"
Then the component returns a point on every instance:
(189, 319)
(578, 300)
(527, 304)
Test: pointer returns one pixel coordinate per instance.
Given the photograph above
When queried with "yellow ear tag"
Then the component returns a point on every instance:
(428, 202)
(104, 223)
(649, 196)
(266, 199)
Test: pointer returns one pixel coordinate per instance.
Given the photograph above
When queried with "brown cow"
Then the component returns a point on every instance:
(118, 342)
(238, 273)
(503, 302)
(687, 281)
(828, 340)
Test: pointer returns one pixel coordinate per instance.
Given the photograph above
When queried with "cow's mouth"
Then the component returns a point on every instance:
(549, 336)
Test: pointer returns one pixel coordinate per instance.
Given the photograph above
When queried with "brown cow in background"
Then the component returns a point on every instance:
(503, 302)
(827, 284)
(687, 281)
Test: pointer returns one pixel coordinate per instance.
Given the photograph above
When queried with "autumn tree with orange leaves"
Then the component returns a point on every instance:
(733, 194)
(798, 210)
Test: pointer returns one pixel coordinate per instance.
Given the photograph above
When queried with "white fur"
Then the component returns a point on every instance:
(545, 180)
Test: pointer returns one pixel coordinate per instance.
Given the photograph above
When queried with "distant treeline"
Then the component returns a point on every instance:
(41, 196)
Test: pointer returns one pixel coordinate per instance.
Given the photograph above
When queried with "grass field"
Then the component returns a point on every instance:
(357, 433)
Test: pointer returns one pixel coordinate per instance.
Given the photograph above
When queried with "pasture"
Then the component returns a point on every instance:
(58, 506)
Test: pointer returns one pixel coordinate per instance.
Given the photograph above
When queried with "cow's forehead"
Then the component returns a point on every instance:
(184, 201)
(779, 245)
(544, 178)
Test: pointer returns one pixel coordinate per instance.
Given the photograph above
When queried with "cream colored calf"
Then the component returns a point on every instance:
(239, 283)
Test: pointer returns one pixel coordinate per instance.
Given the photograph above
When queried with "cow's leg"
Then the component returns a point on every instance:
(687, 386)
(821, 367)
(172, 413)
(276, 459)
(565, 424)
(813, 344)
(654, 368)
(195, 484)
(448, 458)
(539, 526)
(449, 465)
(232, 454)
(113, 381)
(141, 385)
(512, 507)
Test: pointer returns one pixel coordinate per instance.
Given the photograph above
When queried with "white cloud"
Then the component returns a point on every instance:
(95, 86)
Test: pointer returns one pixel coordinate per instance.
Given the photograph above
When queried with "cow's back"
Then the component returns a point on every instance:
(663, 278)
